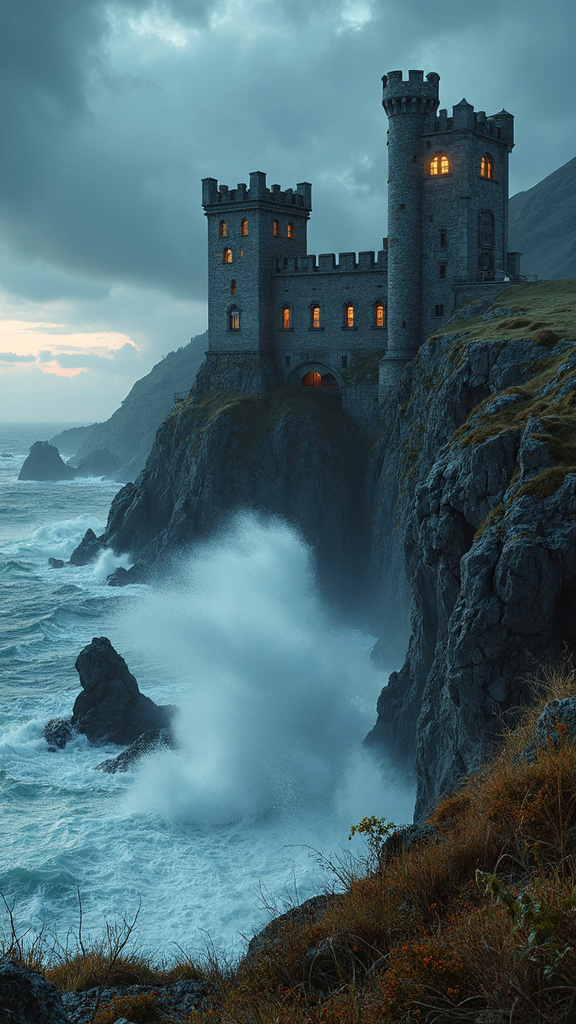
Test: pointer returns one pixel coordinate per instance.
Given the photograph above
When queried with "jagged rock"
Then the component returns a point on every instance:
(111, 707)
(313, 909)
(148, 743)
(56, 563)
(88, 550)
(26, 998)
(44, 463)
(57, 732)
(6, 455)
(181, 997)
(557, 715)
(101, 462)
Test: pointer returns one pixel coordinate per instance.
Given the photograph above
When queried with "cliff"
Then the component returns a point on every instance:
(462, 502)
(130, 431)
(542, 224)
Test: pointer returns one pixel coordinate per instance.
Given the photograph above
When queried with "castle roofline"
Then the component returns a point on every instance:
(214, 194)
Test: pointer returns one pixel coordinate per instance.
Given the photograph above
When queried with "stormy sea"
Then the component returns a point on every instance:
(275, 696)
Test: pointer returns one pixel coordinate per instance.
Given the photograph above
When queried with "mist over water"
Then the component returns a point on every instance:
(276, 698)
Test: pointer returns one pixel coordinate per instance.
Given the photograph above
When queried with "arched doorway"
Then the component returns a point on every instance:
(312, 379)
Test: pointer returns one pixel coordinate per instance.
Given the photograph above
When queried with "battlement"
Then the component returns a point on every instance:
(328, 263)
(220, 195)
(499, 127)
(414, 95)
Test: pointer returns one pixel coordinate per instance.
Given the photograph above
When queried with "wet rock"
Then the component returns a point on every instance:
(56, 563)
(26, 998)
(148, 743)
(6, 455)
(44, 463)
(101, 462)
(88, 550)
(181, 998)
(57, 732)
(111, 707)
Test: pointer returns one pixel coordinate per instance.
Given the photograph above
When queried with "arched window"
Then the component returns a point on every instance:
(291, 231)
(439, 164)
(315, 317)
(275, 228)
(244, 226)
(227, 256)
(286, 318)
(223, 229)
(312, 380)
(379, 314)
(487, 167)
(234, 319)
(349, 315)
(233, 287)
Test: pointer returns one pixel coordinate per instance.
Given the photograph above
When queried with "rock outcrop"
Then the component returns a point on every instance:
(100, 462)
(44, 463)
(27, 998)
(148, 743)
(111, 708)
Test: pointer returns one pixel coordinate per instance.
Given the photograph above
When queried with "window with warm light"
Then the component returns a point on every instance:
(275, 228)
(379, 315)
(312, 379)
(227, 256)
(315, 318)
(439, 165)
(286, 318)
(291, 233)
(349, 315)
(234, 319)
(486, 167)
(223, 229)
(243, 226)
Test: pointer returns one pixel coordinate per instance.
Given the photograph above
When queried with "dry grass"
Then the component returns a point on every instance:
(544, 311)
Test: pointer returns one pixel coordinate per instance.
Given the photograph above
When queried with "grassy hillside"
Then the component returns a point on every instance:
(542, 225)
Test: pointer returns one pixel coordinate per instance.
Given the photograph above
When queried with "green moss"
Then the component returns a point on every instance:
(543, 485)
(548, 307)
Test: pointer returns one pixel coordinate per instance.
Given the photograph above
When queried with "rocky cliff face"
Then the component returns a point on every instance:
(484, 447)
(464, 497)
(289, 453)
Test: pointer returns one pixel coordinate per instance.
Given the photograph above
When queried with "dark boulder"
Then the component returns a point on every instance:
(88, 549)
(56, 563)
(44, 463)
(313, 909)
(111, 708)
(148, 743)
(101, 462)
(27, 998)
(557, 724)
(57, 732)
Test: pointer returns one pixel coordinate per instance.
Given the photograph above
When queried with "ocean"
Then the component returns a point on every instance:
(274, 697)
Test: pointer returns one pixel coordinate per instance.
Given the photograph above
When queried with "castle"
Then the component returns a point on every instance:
(277, 315)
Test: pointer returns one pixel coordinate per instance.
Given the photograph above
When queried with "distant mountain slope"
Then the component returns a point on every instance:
(130, 431)
(542, 225)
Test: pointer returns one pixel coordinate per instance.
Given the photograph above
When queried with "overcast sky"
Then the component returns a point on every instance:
(111, 113)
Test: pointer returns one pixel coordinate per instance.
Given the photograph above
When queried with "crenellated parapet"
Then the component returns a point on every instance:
(214, 194)
(343, 263)
(414, 95)
(499, 127)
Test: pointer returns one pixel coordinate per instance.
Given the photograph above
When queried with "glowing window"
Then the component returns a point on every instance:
(244, 226)
(312, 380)
(286, 318)
(275, 228)
(223, 229)
(349, 315)
(234, 319)
(291, 231)
(439, 164)
(227, 256)
(379, 315)
(316, 317)
(486, 168)
(233, 287)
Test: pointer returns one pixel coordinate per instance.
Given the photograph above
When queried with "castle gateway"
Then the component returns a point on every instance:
(348, 324)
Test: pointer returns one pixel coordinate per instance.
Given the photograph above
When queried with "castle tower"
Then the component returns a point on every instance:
(411, 106)
(248, 229)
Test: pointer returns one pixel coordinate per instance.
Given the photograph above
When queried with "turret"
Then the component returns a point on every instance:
(411, 108)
